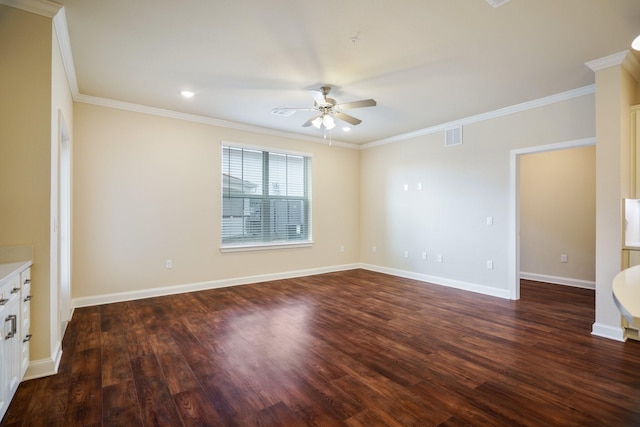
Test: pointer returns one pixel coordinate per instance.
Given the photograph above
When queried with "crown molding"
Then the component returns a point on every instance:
(540, 102)
(632, 65)
(60, 24)
(62, 33)
(607, 61)
(137, 108)
(627, 59)
(39, 7)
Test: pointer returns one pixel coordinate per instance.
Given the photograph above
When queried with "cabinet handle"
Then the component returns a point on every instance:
(13, 319)
(15, 290)
(27, 338)
(27, 281)
(3, 301)
(27, 298)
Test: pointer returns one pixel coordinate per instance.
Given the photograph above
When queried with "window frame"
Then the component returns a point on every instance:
(307, 200)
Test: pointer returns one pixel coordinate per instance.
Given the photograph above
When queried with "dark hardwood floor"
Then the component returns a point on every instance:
(354, 348)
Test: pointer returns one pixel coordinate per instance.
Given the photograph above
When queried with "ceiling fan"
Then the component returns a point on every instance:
(327, 110)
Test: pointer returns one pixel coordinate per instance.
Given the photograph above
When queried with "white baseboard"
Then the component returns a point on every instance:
(442, 281)
(605, 331)
(567, 281)
(201, 286)
(44, 367)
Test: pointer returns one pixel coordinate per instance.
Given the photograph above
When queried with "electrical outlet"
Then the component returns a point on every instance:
(406, 254)
(374, 249)
(489, 265)
(341, 248)
(564, 258)
(440, 258)
(424, 256)
(489, 220)
(168, 264)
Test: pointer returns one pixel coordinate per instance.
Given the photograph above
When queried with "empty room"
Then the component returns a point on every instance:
(294, 213)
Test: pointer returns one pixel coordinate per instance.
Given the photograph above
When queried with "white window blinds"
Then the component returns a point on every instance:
(266, 197)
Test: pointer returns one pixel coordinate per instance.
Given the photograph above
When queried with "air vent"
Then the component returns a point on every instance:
(496, 3)
(284, 112)
(453, 136)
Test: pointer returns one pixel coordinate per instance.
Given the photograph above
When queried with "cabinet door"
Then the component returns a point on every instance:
(4, 363)
(25, 324)
(12, 349)
(11, 337)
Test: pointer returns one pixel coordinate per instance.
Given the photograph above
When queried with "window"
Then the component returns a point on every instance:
(266, 197)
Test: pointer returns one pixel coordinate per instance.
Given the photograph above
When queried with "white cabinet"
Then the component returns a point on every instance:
(25, 315)
(15, 296)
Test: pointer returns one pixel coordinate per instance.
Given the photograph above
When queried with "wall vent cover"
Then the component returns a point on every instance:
(284, 112)
(496, 3)
(453, 136)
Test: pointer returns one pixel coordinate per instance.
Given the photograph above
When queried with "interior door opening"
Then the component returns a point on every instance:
(64, 234)
(514, 220)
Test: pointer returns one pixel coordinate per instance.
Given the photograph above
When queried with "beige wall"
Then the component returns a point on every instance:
(462, 186)
(147, 189)
(557, 215)
(25, 153)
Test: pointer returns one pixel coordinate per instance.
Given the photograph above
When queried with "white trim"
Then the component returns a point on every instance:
(605, 331)
(224, 283)
(607, 61)
(201, 286)
(67, 60)
(39, 7)
(556, 280)
(62, 31)
(632, 65)
(44, 367)
(441, 281)
(137, 108)
(514, 196)
(540, 102)
(625, 58)
(266, 246)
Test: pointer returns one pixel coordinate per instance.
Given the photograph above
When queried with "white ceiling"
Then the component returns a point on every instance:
(426, 62)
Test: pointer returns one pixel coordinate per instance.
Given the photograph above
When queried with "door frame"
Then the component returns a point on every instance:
(514, 204)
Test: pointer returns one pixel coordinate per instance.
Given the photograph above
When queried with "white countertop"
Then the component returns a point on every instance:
(9, 269)
(626, 294)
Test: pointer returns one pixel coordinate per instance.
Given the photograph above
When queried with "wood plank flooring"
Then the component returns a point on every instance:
(354, 348)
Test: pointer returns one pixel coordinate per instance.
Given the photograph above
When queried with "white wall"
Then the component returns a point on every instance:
(558, 216)
(148, 188)
(61, 111)
(462, 186)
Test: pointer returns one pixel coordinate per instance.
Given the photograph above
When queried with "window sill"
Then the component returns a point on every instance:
(266, 246)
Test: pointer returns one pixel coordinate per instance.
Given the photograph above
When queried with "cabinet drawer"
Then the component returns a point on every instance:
(10, 291)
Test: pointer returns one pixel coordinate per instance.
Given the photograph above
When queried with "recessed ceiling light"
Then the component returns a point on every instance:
(187, 93)
(346, 128)
(636, 43)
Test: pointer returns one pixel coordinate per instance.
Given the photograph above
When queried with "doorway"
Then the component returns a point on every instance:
(64, 222)
(514, 205)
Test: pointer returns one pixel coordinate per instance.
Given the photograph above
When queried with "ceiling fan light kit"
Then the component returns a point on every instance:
(327, 110)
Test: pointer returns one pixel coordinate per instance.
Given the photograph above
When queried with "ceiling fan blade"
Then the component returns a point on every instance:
(347, 118)
(318, 97)
(357, 104)
(280, 109)
(308, 122)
